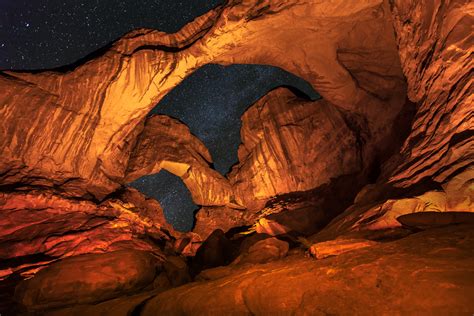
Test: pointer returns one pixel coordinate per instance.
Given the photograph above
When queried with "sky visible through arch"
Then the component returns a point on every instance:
(210, 102)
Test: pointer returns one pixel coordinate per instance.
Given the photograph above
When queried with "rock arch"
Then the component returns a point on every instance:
(94, 108)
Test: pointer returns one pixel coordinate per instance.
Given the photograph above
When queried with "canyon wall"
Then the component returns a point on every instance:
(435, 47)
(98, 137)
(72, 137)
(433, 172)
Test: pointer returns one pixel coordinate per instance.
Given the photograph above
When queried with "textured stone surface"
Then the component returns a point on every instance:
(435, 45)
(288, 145)
(380, 219)
(264, 251)
(208, 219)
(382, 279)
(87, 279)
(216, 250)
(426, 220)
(166, 143)
(38, 228)
(123, 306)
(99, 137)
(338, 246)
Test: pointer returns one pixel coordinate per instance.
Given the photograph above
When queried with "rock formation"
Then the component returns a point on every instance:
(411, 276)
(165, 143)
(435, 51)
(104, 99)
(278, 155)
(346, 192)
(42, 228)
(434, 169)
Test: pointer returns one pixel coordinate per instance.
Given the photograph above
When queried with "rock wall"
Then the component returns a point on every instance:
(434, 170)
(38, 228)
(288, 145)
(435, 47)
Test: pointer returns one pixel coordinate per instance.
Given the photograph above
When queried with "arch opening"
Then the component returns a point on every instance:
(211, 102)
(173, 195)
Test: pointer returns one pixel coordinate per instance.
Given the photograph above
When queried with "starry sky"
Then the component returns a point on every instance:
(44, 34)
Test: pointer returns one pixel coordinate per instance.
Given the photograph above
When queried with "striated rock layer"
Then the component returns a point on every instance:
(373, 255)
(288, 145)
(434, 170)
(39, 228)
(410, 276)
(435, 47)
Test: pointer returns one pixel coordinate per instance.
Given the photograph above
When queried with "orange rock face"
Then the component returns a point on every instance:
(72, 137)
(435, 47)
(165, 143)
(50, 228)
(433, 172)
(288, 145)
(409, 276)
(102, 276)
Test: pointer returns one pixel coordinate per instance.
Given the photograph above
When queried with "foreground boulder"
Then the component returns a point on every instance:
(264, 251)
(338, 246)
(88, 279)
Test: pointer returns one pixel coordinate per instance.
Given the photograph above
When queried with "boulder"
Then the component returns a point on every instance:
(176, 271)
(215, 251)
(338, 246)
(87, 279)
(263, 251)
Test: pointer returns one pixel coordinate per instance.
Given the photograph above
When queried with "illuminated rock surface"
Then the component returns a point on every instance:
(93, 109)
(42, 228)
(279, 155)
(436, 55)
(88, 279)
(165, 143)
(337, 176)
(380, 280)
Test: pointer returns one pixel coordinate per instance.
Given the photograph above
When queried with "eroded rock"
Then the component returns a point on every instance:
(435, 47)
(338, 246)
(384, 278)
(166, 143)
(88, 279)
(93, 109)
(264, 251)
(38, 228)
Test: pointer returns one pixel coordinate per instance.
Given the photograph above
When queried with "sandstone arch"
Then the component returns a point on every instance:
(93, 109)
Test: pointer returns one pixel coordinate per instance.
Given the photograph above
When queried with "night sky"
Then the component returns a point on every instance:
(43, 34)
